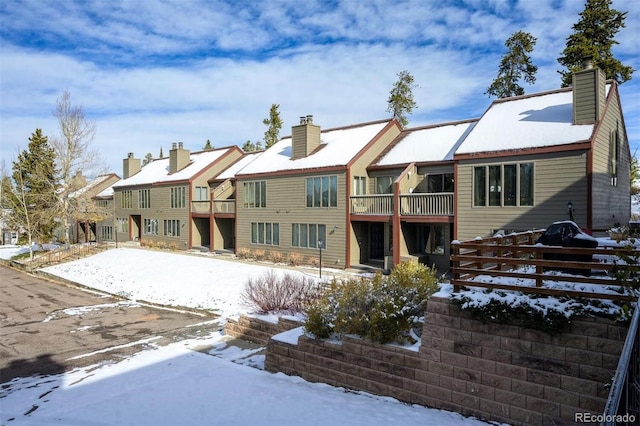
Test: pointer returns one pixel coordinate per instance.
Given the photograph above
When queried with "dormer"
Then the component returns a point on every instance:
(130, 166)
(178, 158)
(305, 138)
(589, 94)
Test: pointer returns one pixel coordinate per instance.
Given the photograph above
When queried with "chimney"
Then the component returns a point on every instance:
(305, 137)
(130, 166)
(178, 157)
(589, 93)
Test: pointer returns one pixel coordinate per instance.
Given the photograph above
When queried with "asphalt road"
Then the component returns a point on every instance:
(48, 327)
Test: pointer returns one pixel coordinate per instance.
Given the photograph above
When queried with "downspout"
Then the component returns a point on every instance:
(347, 231)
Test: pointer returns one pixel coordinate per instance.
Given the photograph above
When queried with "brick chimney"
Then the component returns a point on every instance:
(589, 94)
(130, 166)
(178, 158)
(305, 138)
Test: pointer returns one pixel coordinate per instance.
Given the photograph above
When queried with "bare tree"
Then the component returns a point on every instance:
(76, 157)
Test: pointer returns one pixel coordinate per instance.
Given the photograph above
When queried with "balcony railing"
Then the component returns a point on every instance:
(201, 206)
(440, 204)
(224, 206)
(379, 204)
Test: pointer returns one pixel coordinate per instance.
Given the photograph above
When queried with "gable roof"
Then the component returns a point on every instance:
(235, 168)
(95, 183)
(530, 121)
(337, 148)
(427, 144)
(157, 171)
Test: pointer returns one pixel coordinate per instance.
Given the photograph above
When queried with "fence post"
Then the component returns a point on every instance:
(455, 248)
(539, 267)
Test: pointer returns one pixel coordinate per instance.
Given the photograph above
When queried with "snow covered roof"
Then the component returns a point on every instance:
(231, 171)
(535, 121)
(157, 171)
(91, 184)
(337, 148)
(432, 143)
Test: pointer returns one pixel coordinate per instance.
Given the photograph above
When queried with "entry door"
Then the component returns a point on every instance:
(377, 241)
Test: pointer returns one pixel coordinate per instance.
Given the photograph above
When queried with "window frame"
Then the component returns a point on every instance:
(178, 197)
(302, 233)
(490, 185)
(255, 194)
(321, 191)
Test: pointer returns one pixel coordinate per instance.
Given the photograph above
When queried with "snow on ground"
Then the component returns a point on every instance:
(192, 382)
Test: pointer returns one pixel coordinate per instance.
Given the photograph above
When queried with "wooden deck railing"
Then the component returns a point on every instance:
(378, 204)
(516, 257)
(224, 206)
(440, 204)
(202, 206)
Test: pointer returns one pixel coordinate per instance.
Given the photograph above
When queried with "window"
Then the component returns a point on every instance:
(505, 185)
(106, 233)
(359, 185)
(322, 191)
(384, 184)
(615, 156)
(103, 204)
(172, 227)
(178, 197)
(150, 227)
(255, 194)
(125, 199)
(440, 183)
(265, 233)
(123, 224)
(144, 198)
(308, 235)
(202, 193)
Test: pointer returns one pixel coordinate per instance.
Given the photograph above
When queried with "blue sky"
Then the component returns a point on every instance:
(150, 73)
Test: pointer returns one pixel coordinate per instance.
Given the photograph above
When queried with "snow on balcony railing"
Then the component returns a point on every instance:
(440, 204)
(378, 204)
(224, 206)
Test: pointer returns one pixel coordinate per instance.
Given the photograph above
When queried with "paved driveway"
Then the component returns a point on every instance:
(48, 328)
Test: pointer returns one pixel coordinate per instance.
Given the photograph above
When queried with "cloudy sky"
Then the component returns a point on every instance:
(150, 72)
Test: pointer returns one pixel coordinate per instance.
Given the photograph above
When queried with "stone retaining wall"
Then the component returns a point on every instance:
(256, 330)
(491, 371)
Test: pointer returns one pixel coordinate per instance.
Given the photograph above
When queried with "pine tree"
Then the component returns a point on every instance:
(248, 146)
(147, 159)
(161, 154)
(274, 124)
(33, 196)
(401, 101)
(593, 39)
(514, 66)
(207, 146)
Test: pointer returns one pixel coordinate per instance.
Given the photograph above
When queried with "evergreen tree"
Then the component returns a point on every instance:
(161, 154)
(514, 66)
(593, 38)
(207, 146)
(147, 159)
(248, 146)
(33, 196)
(274, 124)
(401, 101)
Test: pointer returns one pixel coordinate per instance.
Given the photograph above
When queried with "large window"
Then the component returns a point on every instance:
(359, 185)
(322, 191)
(503, 185)
(150, 227)
(125, 199)
(144, 198)
(440, 183)
(308, 235)
(106, 233)
(265, 233)
(172, 227)
(255, 194)
(122, 224)
(178, 197)
(202, 193)
(384, 184)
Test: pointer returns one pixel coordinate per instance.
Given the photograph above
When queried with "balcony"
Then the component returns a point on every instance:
(203, 206)
(379, 204)
(224, 206)
(440, 204)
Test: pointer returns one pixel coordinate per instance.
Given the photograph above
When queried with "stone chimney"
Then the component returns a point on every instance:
(178, 158)
(589, 94)
(305, 138)
(130, 166)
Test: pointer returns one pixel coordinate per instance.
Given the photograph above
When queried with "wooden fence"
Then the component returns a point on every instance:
(518, 257)
(63, 253)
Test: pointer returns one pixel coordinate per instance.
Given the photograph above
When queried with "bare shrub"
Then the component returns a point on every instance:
(314, 261)
(295, 259)
(286, 293)
(276, 257)
(259, 254)
(243, 253)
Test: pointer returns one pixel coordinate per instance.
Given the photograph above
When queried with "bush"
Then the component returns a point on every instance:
(276, 257)
(295, 259)
(288, 293)
(258, 254)
(381, 309)
(243, 253)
